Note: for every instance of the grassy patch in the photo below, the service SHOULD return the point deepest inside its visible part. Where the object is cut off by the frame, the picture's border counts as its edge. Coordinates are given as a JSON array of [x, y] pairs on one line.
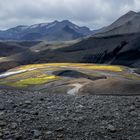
[[75, 65], [38, 74], [31, 81], [105, 68], [131, 76]]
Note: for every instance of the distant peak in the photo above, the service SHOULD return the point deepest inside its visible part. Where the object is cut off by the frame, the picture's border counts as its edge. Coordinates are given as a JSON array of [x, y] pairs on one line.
[[56, 21], [20, 26], [131, 12], [66, 21]]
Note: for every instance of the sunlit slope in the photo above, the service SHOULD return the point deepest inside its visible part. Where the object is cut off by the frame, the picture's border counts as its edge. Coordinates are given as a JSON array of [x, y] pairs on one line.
[[56, 76], [73, 65]]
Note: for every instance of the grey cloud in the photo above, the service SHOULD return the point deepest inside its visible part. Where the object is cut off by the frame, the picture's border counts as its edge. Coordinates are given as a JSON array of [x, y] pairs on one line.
[[92, 13]]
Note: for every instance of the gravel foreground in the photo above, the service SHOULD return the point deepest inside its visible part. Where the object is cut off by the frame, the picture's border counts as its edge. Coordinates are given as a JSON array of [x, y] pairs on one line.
[[40, 116]]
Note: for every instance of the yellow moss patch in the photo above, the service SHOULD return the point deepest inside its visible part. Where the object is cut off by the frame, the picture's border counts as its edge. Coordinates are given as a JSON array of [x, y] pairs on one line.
[[31, 81], [37, 74], [75, 65], [105, 68], [25, 75], [131, 76]]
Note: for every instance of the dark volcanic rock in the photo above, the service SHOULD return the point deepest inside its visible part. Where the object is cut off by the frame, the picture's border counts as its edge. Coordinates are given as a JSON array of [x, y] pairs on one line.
[[69, 117]]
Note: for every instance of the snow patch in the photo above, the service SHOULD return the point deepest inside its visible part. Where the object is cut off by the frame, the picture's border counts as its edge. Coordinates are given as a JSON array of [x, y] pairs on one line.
[[51, 25], [76, 27], [14, 72], [34, 26]]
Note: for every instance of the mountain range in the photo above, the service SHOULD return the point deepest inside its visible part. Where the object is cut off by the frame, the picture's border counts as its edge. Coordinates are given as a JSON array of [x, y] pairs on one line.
[[66, 30], [117, 44], [54, 31]]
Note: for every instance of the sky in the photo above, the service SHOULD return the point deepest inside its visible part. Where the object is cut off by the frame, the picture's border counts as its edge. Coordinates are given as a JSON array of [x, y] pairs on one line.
[[91, 13]]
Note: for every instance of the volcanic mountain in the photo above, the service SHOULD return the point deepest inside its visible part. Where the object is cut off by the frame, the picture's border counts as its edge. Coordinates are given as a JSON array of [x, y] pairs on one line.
[[54, 31], [126, 24]]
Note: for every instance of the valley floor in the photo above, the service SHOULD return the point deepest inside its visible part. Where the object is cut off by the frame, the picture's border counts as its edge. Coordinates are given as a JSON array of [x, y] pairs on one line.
[[41, 116]]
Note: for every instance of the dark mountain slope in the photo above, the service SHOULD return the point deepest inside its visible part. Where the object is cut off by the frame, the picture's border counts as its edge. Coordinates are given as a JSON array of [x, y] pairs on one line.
[[10, 49], [126, 24], [119, 49], [7, 49]]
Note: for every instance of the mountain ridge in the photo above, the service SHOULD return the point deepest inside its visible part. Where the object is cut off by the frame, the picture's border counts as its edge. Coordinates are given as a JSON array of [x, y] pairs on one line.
[[48, 31], [126, 24]]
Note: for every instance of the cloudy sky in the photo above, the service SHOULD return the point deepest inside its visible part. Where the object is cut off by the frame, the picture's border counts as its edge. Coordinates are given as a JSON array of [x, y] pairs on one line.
[[91, 13]]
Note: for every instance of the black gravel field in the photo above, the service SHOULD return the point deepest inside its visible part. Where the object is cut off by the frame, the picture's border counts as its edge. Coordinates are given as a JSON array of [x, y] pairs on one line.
[[26, 115]]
